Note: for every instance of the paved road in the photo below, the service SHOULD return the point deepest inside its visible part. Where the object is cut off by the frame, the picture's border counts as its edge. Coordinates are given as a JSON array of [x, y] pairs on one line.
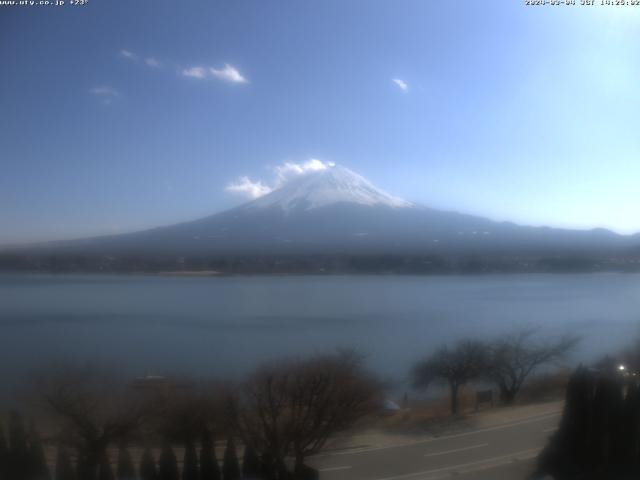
[[503, 452]]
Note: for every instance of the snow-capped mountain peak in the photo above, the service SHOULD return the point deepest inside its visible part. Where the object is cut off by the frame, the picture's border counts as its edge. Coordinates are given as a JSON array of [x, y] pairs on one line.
[[335, 184]]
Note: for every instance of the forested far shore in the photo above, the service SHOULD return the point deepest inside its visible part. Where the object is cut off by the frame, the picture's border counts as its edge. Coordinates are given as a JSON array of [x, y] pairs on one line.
[[318, 264]]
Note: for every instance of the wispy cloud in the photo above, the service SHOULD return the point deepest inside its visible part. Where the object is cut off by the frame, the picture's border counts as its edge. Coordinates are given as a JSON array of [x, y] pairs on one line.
[[401, 84], [195, 72], [105, 92], [134, 57], [282, 174], [248, 188], [152, 62], [128, 54], [228, 74]]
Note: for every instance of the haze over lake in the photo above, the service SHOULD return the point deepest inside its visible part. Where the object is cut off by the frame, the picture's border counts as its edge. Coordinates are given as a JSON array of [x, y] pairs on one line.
[[225, 326]]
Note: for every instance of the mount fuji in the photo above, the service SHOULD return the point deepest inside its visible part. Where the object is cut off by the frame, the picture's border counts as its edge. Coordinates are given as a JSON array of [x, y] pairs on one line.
[[331, 185], [336, 211]]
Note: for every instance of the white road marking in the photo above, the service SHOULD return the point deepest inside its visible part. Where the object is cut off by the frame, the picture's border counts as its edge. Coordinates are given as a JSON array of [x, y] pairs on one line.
[[500, 427], [453, 468], [457, 450], [435, 439], [334, 469], [548, 430]]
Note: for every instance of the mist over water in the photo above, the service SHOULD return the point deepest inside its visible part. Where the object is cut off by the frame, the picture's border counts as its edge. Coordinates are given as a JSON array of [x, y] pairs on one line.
[[225, 326]]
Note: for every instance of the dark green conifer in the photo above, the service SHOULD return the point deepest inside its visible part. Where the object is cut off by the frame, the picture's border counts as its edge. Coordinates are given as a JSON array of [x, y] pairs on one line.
[[38, 469], [64, 468], [18, 460], [86, 466], [148, 470], [105, 472], [4, 454], [626, 434], [574, 426], [190, 463], [634, 404], [250, 463], [606, 405], [209, 468], [125, 469], [267, 467], [230, 464], [567, 451], [168, 464]]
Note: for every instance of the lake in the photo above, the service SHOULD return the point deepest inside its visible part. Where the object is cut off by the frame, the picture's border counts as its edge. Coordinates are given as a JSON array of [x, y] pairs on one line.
[[224, 326]]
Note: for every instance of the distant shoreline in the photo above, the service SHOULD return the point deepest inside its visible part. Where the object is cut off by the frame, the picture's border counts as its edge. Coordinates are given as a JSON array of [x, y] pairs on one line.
[[326, 264], [189, 273], [325, 273]]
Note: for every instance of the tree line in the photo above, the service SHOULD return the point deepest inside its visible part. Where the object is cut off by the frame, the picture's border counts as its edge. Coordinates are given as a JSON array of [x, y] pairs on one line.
[[425, 263], [506, 361], [281, 414], [22, 458]]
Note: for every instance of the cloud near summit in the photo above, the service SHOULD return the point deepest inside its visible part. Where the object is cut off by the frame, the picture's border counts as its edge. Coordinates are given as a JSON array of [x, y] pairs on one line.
[[288, 170], [283, 173], [248, 188]]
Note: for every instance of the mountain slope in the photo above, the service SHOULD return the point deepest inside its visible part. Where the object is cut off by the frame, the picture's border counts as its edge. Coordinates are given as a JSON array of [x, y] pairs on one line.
[[335, 211]]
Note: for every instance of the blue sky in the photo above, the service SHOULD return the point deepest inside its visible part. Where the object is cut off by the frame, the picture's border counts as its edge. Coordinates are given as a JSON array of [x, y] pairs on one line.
[[121, 115]]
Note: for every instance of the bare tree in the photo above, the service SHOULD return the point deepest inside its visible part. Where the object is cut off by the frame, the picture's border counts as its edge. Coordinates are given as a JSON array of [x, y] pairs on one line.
[[455, 366], [93, 412], [291, 409], [512, 358], [187, 413]]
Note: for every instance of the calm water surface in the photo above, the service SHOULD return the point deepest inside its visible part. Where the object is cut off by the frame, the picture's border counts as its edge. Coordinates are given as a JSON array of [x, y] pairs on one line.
[[224, 326]]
